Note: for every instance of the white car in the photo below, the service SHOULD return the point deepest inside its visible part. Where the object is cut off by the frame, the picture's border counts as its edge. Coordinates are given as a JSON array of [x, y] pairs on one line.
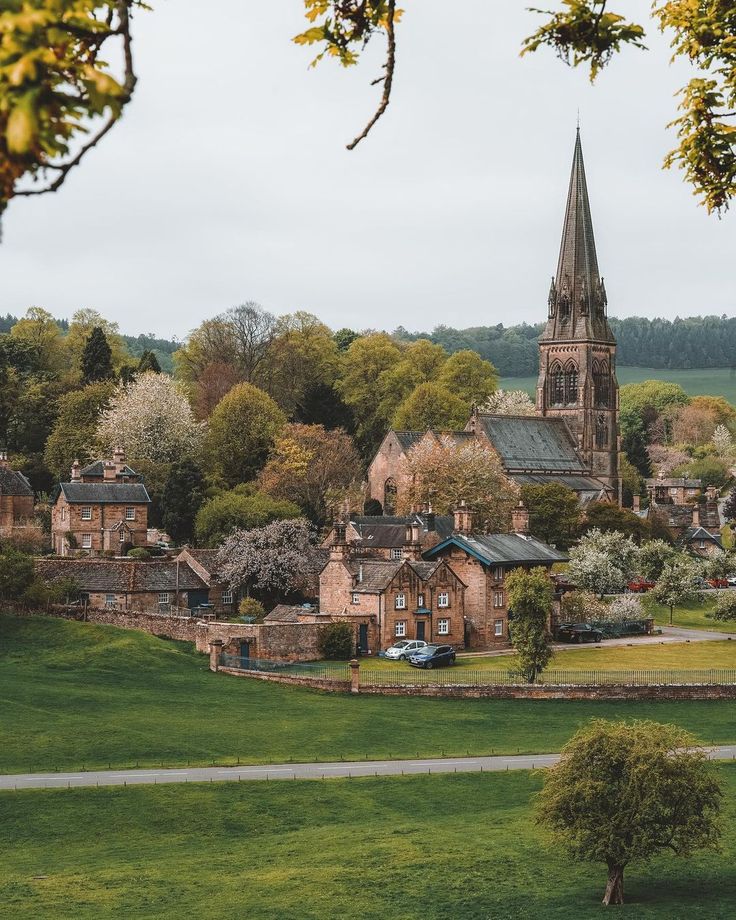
[[402, 649]]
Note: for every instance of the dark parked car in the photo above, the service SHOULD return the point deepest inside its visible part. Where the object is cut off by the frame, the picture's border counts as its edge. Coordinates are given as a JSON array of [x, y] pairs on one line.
[[578, 632], [433, 656]]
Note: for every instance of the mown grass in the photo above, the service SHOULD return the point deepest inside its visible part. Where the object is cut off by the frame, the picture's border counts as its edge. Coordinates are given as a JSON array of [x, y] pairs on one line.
[[457, 846], [692, 615], [76, 694]]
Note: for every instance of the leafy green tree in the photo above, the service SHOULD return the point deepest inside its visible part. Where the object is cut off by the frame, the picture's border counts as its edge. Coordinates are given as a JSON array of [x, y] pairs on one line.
[[252, 609], [712, 471], [653, 556], [432, 405], [336, 641], [530, 598], [218, 517], [39, 330], [634, 447], [182, 498], [606, 516], [16, 573], [96, 363], [344, 338], [623, 792], [148, 362], [420, 362], [242, 430], [554, 512], [82, 325], [725, 609], [677, 582], [466, 375], [75, 426]]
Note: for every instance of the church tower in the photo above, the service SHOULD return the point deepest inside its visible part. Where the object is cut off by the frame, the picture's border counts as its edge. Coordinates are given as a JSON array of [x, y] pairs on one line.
[[577, 351]]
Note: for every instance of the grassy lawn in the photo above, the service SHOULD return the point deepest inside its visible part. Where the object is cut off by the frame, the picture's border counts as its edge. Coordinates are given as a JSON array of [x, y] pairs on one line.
[[463, 846], [692, 616], [713, 381]]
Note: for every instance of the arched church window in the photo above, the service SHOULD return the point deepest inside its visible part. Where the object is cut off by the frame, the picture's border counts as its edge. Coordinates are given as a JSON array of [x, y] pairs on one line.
[[390, 492], [557, 386], [601, 384], [571, 384], [601, 432]]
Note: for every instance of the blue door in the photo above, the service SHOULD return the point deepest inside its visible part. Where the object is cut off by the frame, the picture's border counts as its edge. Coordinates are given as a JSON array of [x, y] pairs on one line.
[[244, 649], [362, 638]]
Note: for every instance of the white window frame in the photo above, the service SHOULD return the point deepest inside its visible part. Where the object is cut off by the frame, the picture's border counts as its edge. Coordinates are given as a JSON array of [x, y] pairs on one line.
[[498, 628], [498, 573], [400, 630], [130, 514], [420, 600], [86, 513], [110, 600], [355, 599], [86, 541], [443, 599], [498, 599], [397, 554], [673, 490], [227, 597], [164, 597], [443, 627], [400, 601]]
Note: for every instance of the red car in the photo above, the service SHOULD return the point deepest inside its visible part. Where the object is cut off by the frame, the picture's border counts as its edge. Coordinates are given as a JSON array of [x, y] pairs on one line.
[[639, 586], [718, 582]]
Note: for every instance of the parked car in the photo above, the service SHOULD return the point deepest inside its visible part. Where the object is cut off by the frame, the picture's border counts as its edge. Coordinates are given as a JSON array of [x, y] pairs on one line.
[[578, 632], [718, 582], [731, 581], [404, 648], [639, 585], [433, 656]]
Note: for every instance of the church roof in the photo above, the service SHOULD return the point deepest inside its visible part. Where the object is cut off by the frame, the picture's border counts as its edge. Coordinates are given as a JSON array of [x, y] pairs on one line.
[[502, 548], [577, 296], [527, 442]]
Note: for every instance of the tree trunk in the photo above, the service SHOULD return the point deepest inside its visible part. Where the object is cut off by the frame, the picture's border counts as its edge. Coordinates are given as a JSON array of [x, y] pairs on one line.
[[615, 887], [672, 611]]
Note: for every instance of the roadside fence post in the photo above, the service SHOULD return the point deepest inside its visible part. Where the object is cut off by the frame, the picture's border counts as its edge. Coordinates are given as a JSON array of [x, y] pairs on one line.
[[215, 649], [355, 676]]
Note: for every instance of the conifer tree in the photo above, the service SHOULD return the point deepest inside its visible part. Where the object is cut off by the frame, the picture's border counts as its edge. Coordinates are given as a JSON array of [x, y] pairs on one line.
[[148, 362], [181, 500], [97, 358]]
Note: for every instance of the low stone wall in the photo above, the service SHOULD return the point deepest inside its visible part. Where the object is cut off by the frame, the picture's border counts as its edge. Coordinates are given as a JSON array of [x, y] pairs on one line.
[[279, 641], [166, 626], [577, 692], [314, 683]]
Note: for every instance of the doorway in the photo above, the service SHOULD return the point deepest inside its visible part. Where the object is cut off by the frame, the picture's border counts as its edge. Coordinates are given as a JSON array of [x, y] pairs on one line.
[[420, 630]]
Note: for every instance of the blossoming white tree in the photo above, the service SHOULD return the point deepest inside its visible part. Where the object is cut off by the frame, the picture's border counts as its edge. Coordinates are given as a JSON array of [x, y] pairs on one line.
[[723, 441], [509, 402], [151, 419], [603, 562]]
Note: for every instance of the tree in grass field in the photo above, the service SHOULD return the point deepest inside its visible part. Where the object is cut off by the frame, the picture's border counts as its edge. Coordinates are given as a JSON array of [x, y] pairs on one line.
[[677, 582], [530, 598], [725, 609], [624, 792], [603, 562]]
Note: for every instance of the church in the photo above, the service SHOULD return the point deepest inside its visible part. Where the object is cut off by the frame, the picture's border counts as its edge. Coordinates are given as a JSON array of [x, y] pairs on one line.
[[574, 437]]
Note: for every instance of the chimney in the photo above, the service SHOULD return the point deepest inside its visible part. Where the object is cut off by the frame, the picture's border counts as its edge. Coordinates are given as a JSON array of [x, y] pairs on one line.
[[463, 519], [108, 474], [76, 471], [3, 459], [118, 458], [520, 519], [413, 542], [711, 493], [637, 503], [696, 516], [339, 548]]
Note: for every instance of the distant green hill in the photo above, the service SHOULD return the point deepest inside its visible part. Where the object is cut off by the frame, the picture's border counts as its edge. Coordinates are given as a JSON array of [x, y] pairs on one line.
[[714, 381]]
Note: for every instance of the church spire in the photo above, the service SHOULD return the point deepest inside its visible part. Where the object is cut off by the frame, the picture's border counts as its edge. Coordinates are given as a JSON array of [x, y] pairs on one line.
[[577, 300]]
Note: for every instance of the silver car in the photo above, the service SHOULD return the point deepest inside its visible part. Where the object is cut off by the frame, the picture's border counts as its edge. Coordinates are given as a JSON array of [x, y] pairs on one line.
[[402, 649]]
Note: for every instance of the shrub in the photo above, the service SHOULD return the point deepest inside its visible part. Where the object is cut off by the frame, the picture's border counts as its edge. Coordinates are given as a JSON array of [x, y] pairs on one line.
[[725, 607], [253, 609], [337, 640], [138, 552], [624, 607], [583, 607]]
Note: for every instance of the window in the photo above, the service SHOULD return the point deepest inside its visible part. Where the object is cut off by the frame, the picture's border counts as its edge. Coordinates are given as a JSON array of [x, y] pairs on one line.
[[498, 573], [571, 384], [400, 602], [702, 544], [86, 541], [498, 627], [443, 599], [692, 491], [355, 599], [673, 491], [164, 597], [397, 554], [420, 600], [122, 535], [227, 597], [557, 386], [86, 514], [401, 628], [63, 513], [130, 514], [110, 600], [443, 627], [498, 598]]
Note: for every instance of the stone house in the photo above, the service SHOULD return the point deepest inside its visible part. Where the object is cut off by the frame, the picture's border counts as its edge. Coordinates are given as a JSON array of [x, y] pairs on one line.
[[384, 536], [483, 561], [681, 505], [126, 584], [677, 490], [103, 509], [16, 498], [701, 542], [224, 601]]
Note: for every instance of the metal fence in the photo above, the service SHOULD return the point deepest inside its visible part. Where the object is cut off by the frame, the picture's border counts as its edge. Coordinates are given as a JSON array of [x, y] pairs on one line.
[[321, 670], [457, 677]]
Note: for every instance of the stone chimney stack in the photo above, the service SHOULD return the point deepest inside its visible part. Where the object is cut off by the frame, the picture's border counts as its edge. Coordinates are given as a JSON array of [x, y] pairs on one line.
[[3, 459], [413, 542], [520, 519], [696, 516], [463, 519], [118, 458], [637, 503], [711, 493], [108, 474], [76, 471], [339, 548]]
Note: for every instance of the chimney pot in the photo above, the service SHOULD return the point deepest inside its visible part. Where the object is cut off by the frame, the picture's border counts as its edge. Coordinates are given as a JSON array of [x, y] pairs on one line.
[[520, 519], [76, 471]]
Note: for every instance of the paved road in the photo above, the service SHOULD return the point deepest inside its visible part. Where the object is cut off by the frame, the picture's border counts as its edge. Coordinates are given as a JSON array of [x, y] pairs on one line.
[[296, 771]]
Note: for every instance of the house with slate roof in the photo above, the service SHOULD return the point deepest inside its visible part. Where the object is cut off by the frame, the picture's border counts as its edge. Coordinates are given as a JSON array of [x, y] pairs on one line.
[[16, 498], [103, 509], [127, 584], [384, 536], [574, 438]]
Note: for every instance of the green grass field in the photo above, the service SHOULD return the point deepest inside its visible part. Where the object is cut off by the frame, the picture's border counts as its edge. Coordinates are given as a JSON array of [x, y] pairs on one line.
[[75, 695], [716, 381], [690, 616], [434, 847]]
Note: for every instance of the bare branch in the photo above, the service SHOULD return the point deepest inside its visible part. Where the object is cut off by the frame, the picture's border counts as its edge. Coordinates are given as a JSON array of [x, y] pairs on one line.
[[387, 79]]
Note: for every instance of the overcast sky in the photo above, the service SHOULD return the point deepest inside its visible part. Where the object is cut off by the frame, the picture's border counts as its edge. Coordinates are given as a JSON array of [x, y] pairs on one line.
[[228, 180]]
